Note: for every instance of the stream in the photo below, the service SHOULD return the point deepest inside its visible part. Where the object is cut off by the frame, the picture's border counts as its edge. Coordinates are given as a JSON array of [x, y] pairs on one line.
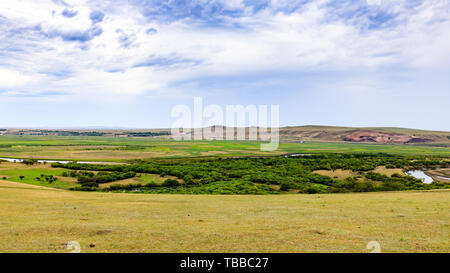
[[420, 175], [58, 161]]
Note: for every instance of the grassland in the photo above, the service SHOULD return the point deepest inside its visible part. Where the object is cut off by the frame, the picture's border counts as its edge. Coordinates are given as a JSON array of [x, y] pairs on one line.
[[37, 219], [441, 175], [142, 178], [123, 149], [13, 171], [343, 174]]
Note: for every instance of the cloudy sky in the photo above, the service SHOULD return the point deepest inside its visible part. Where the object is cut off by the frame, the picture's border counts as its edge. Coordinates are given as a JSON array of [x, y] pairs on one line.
[[71, 63]]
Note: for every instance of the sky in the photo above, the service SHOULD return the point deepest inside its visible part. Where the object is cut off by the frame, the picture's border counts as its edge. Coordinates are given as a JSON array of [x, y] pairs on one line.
[[127, 63]]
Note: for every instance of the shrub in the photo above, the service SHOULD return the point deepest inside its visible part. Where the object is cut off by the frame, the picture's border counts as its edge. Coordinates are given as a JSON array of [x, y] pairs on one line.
[[188, 179], [47, 178], [312, 190], [170, 183], [90, 184], [285, 186], [29, 161], [249, 175]]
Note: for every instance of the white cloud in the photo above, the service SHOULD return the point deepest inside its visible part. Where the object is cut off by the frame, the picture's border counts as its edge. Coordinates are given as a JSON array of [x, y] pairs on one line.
[[13, 79], [269, 39]]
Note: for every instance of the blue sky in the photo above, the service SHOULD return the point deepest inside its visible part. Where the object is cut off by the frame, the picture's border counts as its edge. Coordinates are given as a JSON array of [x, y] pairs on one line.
[[126, 63]]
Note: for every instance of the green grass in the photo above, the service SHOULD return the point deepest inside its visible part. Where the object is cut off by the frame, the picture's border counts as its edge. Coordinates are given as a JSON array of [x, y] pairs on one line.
[[404, 149], [30, 175], [123, 149], [148, 178]]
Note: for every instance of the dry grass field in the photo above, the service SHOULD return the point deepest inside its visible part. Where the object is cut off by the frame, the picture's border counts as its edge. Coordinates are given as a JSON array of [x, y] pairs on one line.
[[39, 219], [342, 174], [441, 175]]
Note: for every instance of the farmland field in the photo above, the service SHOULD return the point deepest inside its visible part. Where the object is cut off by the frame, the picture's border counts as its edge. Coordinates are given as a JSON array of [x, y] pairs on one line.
[[123, 149]]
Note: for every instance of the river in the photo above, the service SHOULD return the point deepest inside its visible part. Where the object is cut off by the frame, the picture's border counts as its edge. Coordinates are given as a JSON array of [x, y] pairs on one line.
[[58, 161], [420, 175]]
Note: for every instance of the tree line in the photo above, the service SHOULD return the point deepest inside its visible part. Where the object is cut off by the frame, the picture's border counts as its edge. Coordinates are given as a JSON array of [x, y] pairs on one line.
[[276, 174]]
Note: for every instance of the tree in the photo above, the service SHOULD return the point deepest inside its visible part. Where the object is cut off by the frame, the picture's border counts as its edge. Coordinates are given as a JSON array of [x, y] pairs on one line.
[[285, 186], [29, 161], [170, 183], [188, 179]]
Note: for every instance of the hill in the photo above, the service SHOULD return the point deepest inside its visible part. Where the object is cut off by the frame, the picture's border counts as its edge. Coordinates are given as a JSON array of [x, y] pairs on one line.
[[363, 134], [383, 135]]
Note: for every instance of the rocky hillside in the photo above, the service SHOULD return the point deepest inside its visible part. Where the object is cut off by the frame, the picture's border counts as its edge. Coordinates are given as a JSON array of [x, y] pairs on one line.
[[381, 137], [368, 135]]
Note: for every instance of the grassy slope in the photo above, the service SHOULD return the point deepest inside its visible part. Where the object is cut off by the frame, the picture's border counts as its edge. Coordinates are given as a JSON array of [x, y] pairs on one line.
[[13, 171], [34, 219]]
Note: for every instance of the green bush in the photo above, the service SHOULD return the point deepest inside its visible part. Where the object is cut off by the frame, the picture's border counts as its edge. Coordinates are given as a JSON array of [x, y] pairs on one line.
[[170, 183], [285, 186], [29, 161], [258, 175]]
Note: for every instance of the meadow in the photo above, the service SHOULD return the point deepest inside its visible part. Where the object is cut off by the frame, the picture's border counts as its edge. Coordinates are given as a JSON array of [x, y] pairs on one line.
[[38, 216], [39, 219], [125, 149], [227, 172], [266, 175], [14, 171]]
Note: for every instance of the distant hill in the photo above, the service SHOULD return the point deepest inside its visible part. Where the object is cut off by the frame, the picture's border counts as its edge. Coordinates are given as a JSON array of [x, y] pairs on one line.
[[348, 134], [364, 134], [290, 133]]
